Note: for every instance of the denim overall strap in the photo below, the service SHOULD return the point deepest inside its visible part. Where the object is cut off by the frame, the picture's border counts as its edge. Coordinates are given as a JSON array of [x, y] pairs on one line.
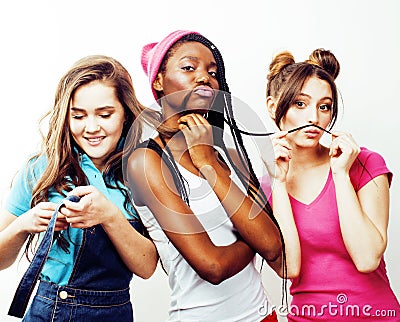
[[28, 281], [98, 265]]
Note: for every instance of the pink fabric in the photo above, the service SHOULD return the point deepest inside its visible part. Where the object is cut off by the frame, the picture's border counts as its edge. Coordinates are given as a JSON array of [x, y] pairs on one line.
[[153, 54], [329, 286]]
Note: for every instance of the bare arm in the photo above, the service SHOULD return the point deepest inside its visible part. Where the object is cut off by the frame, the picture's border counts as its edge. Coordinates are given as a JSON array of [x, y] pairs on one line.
[[283, 213], [363, 215], [253, 223], [153, 186], [276, 160], [138, 253], [12, 238], [15, 230]]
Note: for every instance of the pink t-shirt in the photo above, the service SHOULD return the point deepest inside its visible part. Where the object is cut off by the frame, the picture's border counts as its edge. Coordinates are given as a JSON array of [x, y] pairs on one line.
[[329, 287]]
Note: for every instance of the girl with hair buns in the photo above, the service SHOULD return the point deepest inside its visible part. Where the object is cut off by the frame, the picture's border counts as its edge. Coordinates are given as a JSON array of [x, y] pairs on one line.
[[334, 199], [205, 215], [85, 274]]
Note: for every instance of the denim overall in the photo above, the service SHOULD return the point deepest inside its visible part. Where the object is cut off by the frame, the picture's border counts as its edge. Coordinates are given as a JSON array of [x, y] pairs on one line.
[[98, 289]]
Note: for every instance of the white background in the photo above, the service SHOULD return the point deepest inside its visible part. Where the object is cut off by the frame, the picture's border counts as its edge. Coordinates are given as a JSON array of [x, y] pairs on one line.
[[40, 40]]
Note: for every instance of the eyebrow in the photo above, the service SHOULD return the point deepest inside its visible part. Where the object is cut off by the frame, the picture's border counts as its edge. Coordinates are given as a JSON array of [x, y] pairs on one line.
[[101, 108], [189, 57], [323, 98], [213, 64]]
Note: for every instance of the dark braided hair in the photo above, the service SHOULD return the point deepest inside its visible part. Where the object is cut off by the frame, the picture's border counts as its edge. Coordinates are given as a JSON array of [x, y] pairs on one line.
[[221, 106]]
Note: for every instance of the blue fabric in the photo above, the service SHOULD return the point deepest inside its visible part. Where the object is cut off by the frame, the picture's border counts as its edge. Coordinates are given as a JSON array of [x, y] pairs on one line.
[[79, 305], [28, 281], [99, 275], [59, 265], [97, 286]]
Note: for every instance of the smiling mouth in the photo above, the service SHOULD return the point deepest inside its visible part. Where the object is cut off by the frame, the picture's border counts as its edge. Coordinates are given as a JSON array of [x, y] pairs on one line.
[[94, 141]]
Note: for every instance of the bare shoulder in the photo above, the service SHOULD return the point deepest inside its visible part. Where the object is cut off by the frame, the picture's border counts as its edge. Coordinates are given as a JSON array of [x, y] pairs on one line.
[[141, 159], [148, 176]]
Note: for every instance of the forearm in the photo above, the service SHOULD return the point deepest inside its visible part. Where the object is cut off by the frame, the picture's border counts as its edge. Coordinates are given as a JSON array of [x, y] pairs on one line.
[[234, 258], [137, 252], [213, 263], [12, 238], [363, 240], [283, 213], [253, 224]]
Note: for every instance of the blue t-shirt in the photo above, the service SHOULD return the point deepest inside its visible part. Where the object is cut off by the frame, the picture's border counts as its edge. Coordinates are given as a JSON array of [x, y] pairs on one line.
[[59, 265]]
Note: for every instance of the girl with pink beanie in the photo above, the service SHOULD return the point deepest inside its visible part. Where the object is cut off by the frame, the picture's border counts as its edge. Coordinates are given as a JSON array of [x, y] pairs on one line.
[[334, 199], [205, 213]]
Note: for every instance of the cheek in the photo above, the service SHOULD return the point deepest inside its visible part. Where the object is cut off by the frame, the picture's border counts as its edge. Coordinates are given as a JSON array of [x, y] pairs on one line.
[[292, 119], [214, 83], [182, 82], [327, 119], [75, 127], [175, 83], [116, 126]]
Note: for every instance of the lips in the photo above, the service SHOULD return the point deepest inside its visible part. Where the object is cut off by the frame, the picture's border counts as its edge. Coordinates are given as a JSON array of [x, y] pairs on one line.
[[312, 133], [95, 140], [204, 91]]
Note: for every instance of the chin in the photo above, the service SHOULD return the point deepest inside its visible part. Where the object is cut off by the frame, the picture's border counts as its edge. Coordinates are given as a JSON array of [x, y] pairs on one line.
[[201, 111], [313, 144]]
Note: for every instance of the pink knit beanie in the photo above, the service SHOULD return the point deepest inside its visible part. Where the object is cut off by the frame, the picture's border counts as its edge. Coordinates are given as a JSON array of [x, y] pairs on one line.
[[153, 54]]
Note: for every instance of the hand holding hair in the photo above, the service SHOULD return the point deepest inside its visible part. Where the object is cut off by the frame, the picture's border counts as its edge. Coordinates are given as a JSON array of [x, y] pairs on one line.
[[343, 152]]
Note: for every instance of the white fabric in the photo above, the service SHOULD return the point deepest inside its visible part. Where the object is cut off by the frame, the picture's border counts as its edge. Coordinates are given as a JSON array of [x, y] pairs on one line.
[[239, 298]]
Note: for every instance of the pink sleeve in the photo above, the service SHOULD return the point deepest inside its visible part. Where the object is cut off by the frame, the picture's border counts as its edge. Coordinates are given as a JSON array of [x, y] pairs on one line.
[[366, 167], [265, 184]]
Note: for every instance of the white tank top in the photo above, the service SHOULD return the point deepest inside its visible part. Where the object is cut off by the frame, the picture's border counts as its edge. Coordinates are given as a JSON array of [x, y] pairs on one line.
[[239, 298]]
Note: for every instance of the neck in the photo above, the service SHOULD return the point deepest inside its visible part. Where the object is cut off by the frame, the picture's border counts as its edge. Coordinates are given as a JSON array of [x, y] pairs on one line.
[[306, 158], [175, 140]]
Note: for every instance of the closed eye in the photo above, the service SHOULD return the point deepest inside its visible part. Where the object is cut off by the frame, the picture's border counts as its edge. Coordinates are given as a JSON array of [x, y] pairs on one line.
[[77, 116]]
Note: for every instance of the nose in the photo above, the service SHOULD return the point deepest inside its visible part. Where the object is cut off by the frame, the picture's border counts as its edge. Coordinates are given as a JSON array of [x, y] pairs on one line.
[[203, 78], [92, 125], [313, 115]]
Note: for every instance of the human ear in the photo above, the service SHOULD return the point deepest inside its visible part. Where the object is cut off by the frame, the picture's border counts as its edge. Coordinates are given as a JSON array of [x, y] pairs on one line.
[[157, 84], [271, 107]]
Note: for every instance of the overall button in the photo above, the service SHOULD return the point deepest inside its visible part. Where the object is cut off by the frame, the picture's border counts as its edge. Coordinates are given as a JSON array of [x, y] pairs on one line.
[[63, 295]]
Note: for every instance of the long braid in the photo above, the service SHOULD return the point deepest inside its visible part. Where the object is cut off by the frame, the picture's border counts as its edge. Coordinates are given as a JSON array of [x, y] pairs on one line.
[[223, 105], [254, 189]]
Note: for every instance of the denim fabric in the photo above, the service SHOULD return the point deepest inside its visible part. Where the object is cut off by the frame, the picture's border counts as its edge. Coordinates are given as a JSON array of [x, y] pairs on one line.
[[28, 281], [53, 303], [98, 289]]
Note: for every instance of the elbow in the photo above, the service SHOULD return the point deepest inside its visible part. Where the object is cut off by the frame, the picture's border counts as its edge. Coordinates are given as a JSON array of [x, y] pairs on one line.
[[289, 272], [273, 251], [213, 273], [293, 272], [368, 262], [286, 271], [293, 264], [147, 273], [147, 269], [367, 266], [6, 264]]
